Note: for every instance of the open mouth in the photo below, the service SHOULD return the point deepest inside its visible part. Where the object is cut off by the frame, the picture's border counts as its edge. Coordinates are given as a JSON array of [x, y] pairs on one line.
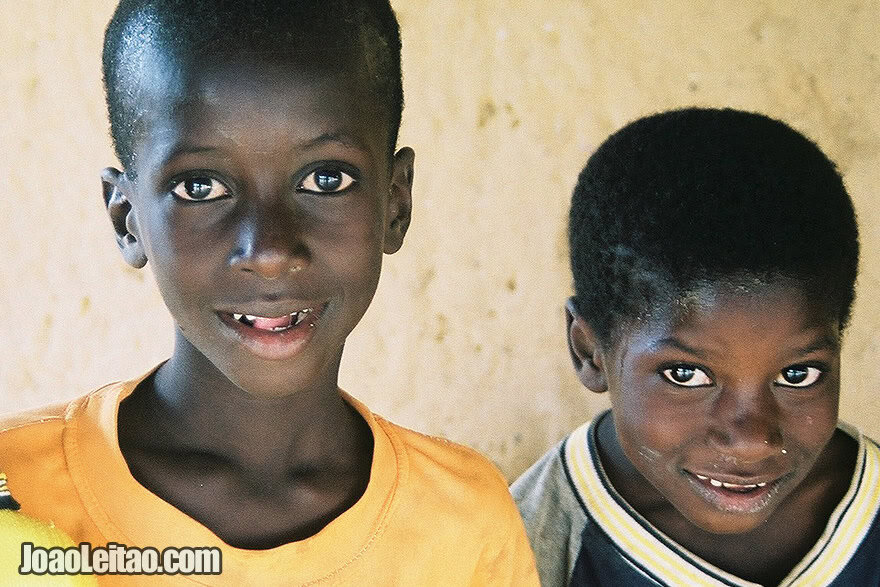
[[735, 487], [736, 497], [274, 324], [275, 336]]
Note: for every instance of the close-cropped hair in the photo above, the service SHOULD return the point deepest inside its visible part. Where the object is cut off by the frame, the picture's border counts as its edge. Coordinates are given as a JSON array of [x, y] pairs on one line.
[[694, 196], [195, 31]]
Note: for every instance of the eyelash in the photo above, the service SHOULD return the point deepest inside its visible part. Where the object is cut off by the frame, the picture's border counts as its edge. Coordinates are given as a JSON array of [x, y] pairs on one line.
[[813, 375], [308, 185]]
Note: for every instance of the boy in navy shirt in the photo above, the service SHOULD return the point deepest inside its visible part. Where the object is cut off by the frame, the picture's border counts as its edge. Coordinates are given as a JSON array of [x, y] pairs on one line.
[[714, 255]]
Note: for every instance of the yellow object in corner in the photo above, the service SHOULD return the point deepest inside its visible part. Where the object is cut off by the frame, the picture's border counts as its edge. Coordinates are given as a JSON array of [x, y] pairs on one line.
[[16, 528]]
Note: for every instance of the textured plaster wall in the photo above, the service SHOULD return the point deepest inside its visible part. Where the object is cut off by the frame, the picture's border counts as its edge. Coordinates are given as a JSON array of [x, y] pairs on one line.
[[505, 100]]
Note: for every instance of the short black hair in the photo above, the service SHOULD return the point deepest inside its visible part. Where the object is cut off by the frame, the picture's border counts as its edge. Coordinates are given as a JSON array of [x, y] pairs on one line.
[[196, 29], [685, 197]]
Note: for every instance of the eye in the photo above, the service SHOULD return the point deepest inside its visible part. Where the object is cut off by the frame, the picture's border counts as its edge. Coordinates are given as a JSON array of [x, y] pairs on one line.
[[200, 189], [798, 376], [687, 376], [326, 180]]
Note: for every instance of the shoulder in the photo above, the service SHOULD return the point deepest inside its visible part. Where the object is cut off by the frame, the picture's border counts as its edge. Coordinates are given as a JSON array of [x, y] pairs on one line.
[[553, 516], [545, 496], [463, 499], [32, 433], [32, 454], [446, 466], [35, 447]]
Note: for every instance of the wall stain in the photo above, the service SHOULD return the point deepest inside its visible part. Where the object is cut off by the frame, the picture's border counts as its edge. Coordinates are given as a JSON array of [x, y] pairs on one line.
[[511, 284], [514, 119], [442, 328], [85, 305], [31, 87], [487, 112], [136, 273], [45, 329], [425, 279]]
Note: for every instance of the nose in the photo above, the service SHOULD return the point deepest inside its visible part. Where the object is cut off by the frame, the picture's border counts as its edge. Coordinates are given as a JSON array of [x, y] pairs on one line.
[[269, 241], [746, 423]]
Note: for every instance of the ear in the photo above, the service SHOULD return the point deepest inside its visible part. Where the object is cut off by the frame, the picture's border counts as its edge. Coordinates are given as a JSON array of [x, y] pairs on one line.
[[585, 350], [122, 216], [399, 199]]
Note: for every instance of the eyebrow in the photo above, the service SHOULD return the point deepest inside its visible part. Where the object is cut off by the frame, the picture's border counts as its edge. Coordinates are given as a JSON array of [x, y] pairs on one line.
[[182, 149], [822, 343], [671, 341], [340, 138], [334, 137]]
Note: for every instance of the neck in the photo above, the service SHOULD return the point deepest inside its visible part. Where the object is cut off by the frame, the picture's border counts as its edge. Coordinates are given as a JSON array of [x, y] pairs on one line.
[[189, 406]]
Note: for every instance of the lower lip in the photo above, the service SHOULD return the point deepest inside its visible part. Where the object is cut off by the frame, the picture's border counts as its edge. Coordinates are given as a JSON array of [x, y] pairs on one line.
[[727, 500], [274, 345]]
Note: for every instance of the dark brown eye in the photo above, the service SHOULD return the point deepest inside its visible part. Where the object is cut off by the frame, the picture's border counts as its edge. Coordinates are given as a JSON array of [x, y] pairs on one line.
[[798, 376], [687, 376], [199, 188], [326, 180]]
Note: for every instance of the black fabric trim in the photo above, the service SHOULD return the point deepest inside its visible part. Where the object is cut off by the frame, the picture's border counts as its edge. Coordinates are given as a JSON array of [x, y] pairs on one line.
[[7, 502]]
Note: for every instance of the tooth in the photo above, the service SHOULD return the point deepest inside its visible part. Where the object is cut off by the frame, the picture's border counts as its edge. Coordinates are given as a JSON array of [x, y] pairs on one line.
[[236, 316], [715, 482], [251, 318], [735, 486], [701, 477], [762, 484]]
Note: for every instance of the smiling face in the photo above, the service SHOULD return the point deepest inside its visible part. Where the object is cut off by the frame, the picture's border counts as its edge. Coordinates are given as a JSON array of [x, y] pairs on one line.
[[723, 409], [264, 199]]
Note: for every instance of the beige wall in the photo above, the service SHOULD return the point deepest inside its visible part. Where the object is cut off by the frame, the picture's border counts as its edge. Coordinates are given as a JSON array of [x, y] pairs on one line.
[[505, 100]]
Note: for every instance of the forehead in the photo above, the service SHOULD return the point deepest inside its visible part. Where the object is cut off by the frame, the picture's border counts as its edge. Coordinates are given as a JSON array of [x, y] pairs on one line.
[[737, 314], [256, 99]]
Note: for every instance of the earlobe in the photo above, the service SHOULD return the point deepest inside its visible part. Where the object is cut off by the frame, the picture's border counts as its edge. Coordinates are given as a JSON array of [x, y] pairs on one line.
[[585, 350], [399, 199], [115, 184]]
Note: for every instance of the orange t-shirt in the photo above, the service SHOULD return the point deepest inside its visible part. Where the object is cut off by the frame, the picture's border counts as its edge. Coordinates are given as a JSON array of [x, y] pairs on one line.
[[433, 513]]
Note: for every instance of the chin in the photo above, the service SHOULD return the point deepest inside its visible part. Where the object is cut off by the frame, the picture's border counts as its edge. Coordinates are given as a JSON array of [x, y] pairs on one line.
[[729, 523]]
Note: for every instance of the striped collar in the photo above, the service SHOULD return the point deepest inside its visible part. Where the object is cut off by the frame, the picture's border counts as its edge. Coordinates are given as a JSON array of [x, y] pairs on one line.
[[659, 557]]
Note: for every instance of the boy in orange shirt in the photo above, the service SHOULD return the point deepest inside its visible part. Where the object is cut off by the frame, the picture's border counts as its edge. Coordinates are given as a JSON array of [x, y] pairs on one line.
[[262, 182]]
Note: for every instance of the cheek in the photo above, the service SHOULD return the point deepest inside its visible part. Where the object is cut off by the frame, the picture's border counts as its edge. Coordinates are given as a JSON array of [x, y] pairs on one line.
[[651, 425], [351, 239], [177, 257], [810, 426]]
